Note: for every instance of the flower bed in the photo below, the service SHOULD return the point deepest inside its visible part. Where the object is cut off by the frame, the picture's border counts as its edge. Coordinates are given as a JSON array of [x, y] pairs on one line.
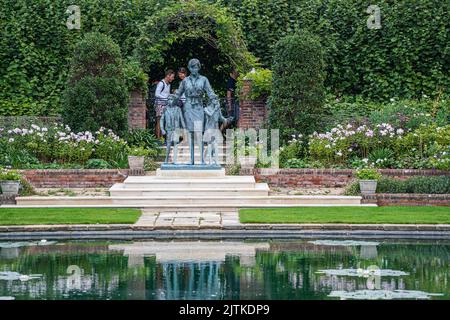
[[365, 145], [22, 147]]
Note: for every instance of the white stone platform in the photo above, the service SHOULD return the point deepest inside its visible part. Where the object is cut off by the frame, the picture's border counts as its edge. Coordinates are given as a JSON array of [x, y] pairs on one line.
[[189, 189]]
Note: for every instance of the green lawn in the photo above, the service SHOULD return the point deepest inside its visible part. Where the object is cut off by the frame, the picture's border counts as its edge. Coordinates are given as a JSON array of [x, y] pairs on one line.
[[374, 215], [27, 216]]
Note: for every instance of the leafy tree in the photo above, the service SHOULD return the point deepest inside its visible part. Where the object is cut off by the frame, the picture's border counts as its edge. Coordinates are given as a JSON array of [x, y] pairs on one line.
[[297, 99], [96, 95]]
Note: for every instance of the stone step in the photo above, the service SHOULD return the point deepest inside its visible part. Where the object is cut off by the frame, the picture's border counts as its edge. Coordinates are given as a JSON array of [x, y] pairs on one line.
[[216, 183], [197, 201], [122, 190]]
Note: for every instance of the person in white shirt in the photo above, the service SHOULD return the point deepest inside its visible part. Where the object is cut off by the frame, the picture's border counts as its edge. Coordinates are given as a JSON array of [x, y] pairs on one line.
[[162, 92]]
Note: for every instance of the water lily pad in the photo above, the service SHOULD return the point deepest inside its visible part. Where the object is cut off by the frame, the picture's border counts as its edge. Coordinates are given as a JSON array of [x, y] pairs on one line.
[[383, 294], [11, 276], [346, 243], [363, 272]]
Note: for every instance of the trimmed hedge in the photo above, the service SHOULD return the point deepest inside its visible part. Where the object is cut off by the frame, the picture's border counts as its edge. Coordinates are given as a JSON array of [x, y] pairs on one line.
[[407, 57], [96, 94], [424, 185], [297, 99]]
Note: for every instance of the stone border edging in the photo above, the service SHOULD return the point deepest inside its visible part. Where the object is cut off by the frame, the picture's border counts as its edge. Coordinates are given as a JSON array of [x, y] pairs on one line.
[[234, 227], [408, 199]]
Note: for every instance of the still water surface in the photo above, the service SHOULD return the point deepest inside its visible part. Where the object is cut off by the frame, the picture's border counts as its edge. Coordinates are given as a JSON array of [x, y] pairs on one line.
[[191, 269]]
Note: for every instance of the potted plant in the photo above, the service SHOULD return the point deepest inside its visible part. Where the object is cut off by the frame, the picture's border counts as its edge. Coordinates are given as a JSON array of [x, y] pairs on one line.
[[136, 157], [10, 182], [249, 159], [368, 179]]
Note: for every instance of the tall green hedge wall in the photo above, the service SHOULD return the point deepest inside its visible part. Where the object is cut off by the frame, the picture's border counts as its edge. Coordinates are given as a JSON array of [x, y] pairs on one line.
[[407, 57]]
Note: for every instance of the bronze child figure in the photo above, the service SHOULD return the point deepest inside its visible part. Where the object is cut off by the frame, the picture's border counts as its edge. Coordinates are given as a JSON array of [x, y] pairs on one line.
[[172, 123], [212, 135]]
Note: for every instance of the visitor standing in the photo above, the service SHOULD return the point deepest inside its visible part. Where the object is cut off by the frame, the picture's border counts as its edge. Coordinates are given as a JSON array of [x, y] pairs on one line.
[[182, 73], [231, 91], [231, 98], [162, 92]]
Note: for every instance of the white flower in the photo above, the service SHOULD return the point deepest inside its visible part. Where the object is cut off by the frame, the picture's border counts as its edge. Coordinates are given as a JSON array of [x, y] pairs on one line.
[[400, 131], [339, 153], [365, 160], [11, 140]]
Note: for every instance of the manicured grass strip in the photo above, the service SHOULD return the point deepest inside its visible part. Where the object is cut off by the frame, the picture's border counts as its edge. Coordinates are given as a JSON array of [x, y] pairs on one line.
[[364, 215], [29, 216]]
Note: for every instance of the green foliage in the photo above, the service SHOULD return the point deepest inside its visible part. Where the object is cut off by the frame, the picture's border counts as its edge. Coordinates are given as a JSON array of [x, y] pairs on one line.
[[26, 188], [142, 138], [97, 164], [383, 146], [261, 83], [96, 95], [57, 147], [406, 58], [36, 46], [297, 96], [382, 158], [184, 30], [368, 174], [135, 77], [138, 151], [7, 174], [423, 185]]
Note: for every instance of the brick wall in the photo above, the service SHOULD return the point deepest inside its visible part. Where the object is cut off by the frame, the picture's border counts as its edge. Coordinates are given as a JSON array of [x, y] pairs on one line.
[[252, 113], [76, 178], [137, 111], [384, 199], [328, 178]]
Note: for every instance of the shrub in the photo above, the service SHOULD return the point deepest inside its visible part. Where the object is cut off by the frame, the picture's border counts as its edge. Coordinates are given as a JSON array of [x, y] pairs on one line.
[[96, 94], [424, 185], [432, 185], [297, 98], [261, 83], [97, 164], [351, 145], [35, 146], [135, 77]]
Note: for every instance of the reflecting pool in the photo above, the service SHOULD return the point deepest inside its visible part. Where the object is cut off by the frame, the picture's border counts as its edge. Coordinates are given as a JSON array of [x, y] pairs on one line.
[[234, 269]]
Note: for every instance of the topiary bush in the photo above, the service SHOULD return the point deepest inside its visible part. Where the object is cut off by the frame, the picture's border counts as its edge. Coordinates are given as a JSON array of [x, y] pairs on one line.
[[297, 98], [96, 95]]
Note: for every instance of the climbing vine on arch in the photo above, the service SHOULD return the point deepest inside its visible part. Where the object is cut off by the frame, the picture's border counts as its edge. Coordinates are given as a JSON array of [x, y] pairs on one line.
[[191, 29]]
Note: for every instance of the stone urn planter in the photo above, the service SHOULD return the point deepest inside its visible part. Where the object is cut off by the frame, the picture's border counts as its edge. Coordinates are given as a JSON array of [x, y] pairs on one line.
[[368, 178], [136, 162], [10, 187], [368, 186], [247, 161]]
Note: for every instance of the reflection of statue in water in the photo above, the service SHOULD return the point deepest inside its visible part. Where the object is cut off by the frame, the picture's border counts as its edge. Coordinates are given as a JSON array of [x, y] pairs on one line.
[[171, 123], [213, 136], [194, 87]]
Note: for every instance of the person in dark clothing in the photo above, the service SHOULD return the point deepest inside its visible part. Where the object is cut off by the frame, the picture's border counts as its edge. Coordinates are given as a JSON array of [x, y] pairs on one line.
[[231, 89], [231, 98]]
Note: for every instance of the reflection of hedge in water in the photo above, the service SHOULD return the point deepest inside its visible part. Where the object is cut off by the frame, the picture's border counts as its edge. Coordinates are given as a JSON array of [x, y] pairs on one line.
[[276, 275]]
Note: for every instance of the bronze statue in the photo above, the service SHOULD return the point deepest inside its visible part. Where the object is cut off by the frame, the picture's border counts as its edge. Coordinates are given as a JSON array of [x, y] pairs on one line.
[[194, 87], [172, 123], [213, 135]]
